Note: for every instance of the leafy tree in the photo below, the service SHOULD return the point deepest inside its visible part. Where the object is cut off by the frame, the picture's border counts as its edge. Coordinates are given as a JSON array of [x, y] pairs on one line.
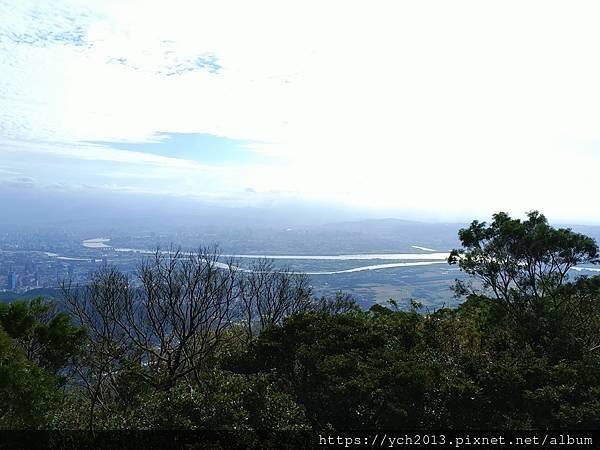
[[349, 371], [28, 395], [536, 337], [523, 263], [47, 337], [576, 318], [224, 401], [525, 266], [484, 375]]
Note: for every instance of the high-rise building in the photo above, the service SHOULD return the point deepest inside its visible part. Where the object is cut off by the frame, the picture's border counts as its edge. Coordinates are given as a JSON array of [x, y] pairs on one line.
[[11, 284]]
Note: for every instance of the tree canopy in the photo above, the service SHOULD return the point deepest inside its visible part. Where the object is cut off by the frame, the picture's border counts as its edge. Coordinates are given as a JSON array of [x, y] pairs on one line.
[[195, 344], [522, 262]]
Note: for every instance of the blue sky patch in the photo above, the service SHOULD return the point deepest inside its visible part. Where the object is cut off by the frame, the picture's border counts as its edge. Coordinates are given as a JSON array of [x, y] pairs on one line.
[[203, 148]]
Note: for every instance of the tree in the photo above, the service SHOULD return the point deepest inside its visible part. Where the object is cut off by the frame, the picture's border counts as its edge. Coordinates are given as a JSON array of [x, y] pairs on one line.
[[340, 303], [523, 263], [169, 323], [28, 395], [354, 370], [223, 401], [47, 337], [268, 295], [577, 318]]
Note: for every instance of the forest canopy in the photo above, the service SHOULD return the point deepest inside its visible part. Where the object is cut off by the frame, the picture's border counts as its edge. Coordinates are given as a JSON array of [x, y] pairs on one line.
[[194, 343]]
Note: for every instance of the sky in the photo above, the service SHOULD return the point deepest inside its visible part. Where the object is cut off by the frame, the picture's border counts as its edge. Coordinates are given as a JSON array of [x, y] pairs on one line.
[[455, 109]]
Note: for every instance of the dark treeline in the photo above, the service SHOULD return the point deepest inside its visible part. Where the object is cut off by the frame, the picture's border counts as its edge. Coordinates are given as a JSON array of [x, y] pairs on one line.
[[194, 343]]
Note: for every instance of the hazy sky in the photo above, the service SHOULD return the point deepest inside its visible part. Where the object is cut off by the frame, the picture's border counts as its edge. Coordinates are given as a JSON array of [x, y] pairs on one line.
[[454, 107]]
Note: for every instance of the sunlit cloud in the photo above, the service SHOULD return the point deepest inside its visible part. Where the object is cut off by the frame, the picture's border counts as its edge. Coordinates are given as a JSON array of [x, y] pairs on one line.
[[462, 108]]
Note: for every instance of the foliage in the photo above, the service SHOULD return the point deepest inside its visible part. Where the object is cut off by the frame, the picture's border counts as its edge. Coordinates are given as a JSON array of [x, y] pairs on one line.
[[523, 263], [223, 401], [28, 395], [350, 371], [197, 345], [47, 337]]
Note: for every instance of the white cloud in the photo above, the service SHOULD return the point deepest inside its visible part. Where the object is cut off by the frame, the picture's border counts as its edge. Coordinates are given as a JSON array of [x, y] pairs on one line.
[[464, 107], [103, 153]]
